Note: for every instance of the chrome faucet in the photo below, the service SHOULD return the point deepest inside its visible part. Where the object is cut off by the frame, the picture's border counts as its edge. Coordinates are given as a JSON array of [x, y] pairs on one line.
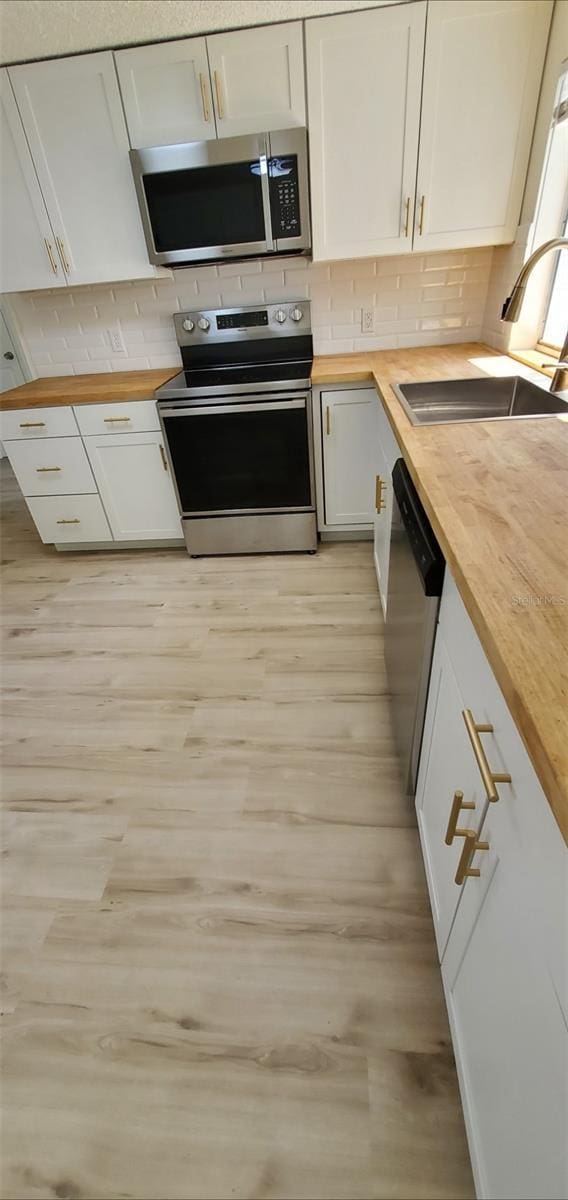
[[512, 307]]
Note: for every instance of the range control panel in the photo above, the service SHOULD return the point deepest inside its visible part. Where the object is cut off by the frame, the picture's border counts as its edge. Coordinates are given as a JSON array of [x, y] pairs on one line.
[[284, 197]]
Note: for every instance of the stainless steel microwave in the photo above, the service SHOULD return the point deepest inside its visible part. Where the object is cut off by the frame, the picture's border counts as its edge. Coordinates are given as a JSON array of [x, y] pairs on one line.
[[236, 197]]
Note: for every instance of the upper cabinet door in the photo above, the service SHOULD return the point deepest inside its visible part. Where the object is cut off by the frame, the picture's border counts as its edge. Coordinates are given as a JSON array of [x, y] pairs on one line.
[[166, 93], [28, 257], [73, 119], [482, 73], [258, 78], [364, 78]]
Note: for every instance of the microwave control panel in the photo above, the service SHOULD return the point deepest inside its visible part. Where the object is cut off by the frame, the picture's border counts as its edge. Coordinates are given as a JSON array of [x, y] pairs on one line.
[[284, 197]]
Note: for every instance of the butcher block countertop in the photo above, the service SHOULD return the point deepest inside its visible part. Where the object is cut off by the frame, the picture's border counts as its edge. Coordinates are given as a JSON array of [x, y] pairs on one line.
[[496, 495], [106, 388]]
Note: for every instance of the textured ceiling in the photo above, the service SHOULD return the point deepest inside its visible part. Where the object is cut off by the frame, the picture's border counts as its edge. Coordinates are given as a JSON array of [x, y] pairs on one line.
[[44, 28]]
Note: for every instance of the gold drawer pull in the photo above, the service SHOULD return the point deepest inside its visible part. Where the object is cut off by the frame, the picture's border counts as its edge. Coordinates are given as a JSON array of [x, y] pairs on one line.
[[204, 99], [115, 420], [421, 216], [380, 501], [458, 804], [45, 470], [32, 424], [51, 256], [69, 521], [163, 457], [219, 94], [407, 217], [328, 420], [489, 777], [465, 869], [63, 256]]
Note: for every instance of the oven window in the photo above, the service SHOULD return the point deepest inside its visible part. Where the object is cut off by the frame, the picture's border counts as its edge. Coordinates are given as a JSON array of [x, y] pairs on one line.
[[205, 206], [241, 460]]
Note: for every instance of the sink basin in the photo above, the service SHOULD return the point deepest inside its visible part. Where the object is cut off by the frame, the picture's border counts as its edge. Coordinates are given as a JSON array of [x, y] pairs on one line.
[[476, 400]]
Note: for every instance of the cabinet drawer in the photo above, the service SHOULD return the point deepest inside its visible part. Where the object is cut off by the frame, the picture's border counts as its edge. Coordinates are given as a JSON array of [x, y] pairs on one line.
[[28, 423], [54, 467], [70, 518], [138, 416]]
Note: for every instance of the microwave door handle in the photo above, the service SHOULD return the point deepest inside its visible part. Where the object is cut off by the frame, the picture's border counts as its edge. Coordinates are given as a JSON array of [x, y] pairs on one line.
[[265, 185]]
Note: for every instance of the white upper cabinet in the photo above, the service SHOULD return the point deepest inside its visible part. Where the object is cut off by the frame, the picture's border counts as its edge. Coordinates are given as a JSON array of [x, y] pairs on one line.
[[73, 120], [482, 72], [258, 78], [364, 74], [166, 93], [28, 257]]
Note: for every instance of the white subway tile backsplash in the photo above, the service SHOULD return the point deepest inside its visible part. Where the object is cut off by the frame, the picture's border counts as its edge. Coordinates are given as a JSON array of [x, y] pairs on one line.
[[418, 299]]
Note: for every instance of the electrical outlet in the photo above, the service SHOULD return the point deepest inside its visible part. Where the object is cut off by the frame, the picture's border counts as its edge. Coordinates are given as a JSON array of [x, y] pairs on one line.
[[116, 341], [368, 320]]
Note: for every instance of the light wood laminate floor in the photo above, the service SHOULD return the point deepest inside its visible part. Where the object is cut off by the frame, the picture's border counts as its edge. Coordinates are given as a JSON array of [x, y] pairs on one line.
[[219, 970]]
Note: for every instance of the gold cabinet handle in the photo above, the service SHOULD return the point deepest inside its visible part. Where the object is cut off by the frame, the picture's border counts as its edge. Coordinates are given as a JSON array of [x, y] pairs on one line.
[[45, 470], [69, 521], [63, 256], [115, 420], [421, 215], [327, 419], [465, 869], [458, 804], [204, 98], [51, 256], [32, 424], [489, 777], [407, 217], [380, 501], [219, 94], [164, 459]]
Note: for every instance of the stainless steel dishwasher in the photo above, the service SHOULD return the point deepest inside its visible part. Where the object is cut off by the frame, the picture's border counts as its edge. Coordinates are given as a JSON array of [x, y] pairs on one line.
[[416, 574]]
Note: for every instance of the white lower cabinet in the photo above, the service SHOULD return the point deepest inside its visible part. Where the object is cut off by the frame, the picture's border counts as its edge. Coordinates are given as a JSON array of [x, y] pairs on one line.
[[349, 434], [63, 519], [55, 466], [502, 932], [134, 483]]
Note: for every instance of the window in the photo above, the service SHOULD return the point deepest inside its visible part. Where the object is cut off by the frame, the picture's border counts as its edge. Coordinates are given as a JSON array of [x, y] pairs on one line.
[[552, 218]]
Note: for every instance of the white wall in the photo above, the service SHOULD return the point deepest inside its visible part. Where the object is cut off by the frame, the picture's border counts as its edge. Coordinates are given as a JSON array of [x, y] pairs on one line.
[[42, 28], [418, 300]]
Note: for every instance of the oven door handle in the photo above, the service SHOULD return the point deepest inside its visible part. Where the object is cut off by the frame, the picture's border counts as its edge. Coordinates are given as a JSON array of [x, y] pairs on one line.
[[182, 410], [265, 187]]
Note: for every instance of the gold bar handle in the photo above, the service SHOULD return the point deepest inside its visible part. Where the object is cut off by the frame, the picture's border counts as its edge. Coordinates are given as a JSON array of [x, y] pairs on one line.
[[45, 470], [69, 521], [219, 94], [421, 216], [115, 420], [407, 217], [465, 869], [32, 424], [51, 256], [458, 804], [63, 256], [327, 420], [489, 777], [164, 459], [204, 98], [380, 502]]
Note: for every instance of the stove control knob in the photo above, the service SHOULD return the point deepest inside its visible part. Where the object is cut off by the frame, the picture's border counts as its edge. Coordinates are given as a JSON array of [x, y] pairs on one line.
[[188, 325], [204, 324], [280, 316], [296, 314]]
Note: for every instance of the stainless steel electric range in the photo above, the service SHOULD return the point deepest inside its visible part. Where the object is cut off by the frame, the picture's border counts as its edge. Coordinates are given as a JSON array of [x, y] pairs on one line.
[[237, 423]]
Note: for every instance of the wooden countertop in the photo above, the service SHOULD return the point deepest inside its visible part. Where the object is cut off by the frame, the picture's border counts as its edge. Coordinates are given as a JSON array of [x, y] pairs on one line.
[[86, 389], [496, 494]]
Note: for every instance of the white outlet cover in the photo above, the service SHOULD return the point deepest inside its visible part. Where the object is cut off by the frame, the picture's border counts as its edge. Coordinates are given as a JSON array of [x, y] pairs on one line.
[[368, 320], [116, 341]]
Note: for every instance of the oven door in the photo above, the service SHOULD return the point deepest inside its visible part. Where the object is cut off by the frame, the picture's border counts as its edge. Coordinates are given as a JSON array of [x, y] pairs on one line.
[[250, 457], [204, 200]]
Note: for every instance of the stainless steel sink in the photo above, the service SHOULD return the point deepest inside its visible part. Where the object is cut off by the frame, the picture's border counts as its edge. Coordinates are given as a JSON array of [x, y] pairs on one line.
[[476, 400]]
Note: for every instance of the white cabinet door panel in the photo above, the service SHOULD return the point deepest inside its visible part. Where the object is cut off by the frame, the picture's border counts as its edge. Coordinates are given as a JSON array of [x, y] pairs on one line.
[[349, 455], [28, 256], [74, 123], [135, 485], [70, 519], [482, 72], [138, 416], [166, 93], [51, 466], [258, 78], [364, 74]]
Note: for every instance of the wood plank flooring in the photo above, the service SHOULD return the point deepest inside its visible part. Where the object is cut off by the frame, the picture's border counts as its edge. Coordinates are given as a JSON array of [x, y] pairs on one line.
[[219, 971]]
